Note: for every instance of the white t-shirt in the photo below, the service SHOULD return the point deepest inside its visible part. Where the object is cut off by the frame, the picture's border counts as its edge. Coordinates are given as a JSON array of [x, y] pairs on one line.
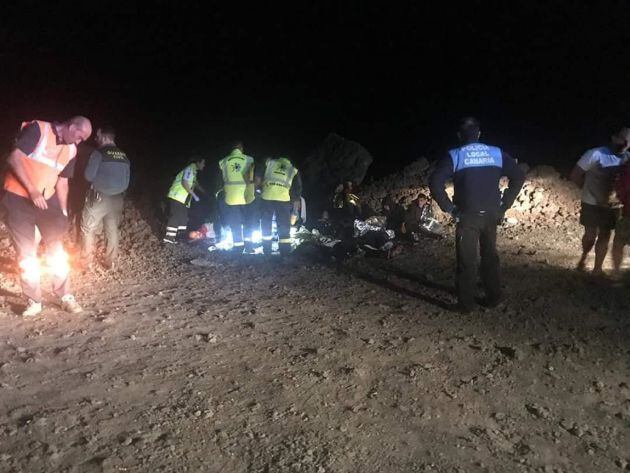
[[600, 166]]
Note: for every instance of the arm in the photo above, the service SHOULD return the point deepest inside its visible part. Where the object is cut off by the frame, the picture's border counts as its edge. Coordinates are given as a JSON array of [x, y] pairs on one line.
[[577, 176], [586, 161], [61, 188], [199, 187], [16, 165], [92, 168], [516, 178], [442, 173]]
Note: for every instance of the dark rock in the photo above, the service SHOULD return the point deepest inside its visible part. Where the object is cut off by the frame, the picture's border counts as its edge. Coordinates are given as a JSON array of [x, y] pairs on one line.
[[334, 161]]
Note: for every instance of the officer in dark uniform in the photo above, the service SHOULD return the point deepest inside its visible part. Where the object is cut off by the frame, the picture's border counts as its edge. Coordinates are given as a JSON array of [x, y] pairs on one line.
[[478, 207]]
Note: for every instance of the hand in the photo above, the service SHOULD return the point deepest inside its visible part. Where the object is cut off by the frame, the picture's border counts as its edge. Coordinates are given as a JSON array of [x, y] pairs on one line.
[[38, 199], [455, 214], [195, 197], [501, 215]]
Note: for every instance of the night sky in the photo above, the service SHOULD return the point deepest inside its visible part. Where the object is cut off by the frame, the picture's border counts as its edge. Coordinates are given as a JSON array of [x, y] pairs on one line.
[[547, 78]]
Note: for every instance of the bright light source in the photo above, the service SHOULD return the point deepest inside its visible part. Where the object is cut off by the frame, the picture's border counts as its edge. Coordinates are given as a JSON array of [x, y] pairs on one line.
[[58, 263], [257, 236], [30, 269], [292, 232], [227, 242]]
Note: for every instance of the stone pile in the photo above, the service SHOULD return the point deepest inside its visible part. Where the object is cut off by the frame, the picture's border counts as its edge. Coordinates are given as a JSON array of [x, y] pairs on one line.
[[546, 198]]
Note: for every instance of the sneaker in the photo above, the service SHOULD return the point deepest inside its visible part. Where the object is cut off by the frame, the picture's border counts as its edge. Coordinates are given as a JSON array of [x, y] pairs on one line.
[[69, 304], [32, 308]]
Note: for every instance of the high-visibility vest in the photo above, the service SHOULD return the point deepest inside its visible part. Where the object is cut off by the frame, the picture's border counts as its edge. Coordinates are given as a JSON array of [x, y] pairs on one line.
[[44, 164], [238, 178], [279, 175], [177, 191]]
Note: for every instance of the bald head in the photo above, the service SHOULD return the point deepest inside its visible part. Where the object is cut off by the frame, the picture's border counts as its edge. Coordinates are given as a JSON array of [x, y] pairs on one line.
[[76, 130]]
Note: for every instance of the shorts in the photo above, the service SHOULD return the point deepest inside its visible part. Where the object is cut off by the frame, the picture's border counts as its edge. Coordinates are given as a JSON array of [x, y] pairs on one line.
[[622, 230], [594, 216]]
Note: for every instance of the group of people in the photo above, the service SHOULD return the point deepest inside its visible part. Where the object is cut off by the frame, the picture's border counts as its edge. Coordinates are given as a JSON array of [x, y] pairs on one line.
[[478, 206], [250, 196], [253, 194], [35, 202]]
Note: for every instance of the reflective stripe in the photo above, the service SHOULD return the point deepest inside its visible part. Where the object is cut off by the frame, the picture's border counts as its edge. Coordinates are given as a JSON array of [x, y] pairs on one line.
[[240, 243], [267, 238], [284, 240], [39, 154], [182, 227]]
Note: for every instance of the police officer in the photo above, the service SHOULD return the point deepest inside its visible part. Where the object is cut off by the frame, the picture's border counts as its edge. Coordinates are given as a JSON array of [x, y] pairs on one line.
[[107, 172], [237, 175], [281, 190], [180, 196], [478, 207]]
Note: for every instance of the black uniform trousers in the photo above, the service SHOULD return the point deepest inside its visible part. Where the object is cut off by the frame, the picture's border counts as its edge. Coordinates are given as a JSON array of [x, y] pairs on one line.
[[177, 220], [282, 211], [239, 218], [476, 235]]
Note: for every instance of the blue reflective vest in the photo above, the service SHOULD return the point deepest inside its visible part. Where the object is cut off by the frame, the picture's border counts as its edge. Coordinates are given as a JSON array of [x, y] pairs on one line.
[[476, 155]]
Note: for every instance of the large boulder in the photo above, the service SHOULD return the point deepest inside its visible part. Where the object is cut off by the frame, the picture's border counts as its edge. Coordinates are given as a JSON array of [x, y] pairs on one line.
[[334, 161]]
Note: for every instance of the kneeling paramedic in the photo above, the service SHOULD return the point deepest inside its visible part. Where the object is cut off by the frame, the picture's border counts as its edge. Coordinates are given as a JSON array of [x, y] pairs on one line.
[[478, 207], [36, 196], [281, 190], [180, 196]]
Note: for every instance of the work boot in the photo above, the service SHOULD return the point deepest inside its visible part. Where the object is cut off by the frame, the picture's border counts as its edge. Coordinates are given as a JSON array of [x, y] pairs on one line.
[[69, 304], [32, 308]]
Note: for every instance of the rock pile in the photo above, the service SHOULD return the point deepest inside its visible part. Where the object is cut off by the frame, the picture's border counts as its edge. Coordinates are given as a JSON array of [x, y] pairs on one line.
[[546, 198]]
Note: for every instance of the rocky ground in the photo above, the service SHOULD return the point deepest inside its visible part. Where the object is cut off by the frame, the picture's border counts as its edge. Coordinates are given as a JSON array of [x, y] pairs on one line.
[[249, 365]]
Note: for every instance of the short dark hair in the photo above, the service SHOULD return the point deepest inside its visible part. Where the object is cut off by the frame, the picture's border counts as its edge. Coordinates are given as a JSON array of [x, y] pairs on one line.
[[469, 128], [108, 131], [195, 158], [236, 144]]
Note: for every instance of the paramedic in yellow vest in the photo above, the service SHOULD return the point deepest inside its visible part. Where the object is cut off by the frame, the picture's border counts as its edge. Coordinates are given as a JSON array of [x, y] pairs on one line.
[[180, 196], [281, 185], [237, 175], [36, 196]]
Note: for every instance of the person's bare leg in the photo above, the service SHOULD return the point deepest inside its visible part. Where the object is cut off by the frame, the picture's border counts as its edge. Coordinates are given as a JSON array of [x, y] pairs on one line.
[[601, 249], [588, 241]]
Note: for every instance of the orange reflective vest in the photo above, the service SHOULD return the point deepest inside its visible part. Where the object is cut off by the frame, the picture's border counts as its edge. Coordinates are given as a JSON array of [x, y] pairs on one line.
[[44, 164]]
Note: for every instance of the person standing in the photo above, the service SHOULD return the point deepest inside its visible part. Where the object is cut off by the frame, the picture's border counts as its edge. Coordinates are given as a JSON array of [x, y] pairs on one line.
[[107, 171], [595, 173], [36, 197], [180, 196], [281, 191], [478, 207], [237, 178], [622, 229]]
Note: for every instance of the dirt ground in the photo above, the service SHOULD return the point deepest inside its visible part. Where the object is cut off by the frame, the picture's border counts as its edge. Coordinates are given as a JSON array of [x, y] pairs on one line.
[[247, 365]]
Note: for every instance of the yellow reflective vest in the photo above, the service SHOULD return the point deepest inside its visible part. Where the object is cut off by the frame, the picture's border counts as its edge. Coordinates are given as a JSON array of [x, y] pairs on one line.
[[238, 178], [279, 175], [177, 191]]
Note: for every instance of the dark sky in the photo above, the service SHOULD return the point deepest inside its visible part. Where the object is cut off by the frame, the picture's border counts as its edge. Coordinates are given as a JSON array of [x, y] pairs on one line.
[[547, 78]]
